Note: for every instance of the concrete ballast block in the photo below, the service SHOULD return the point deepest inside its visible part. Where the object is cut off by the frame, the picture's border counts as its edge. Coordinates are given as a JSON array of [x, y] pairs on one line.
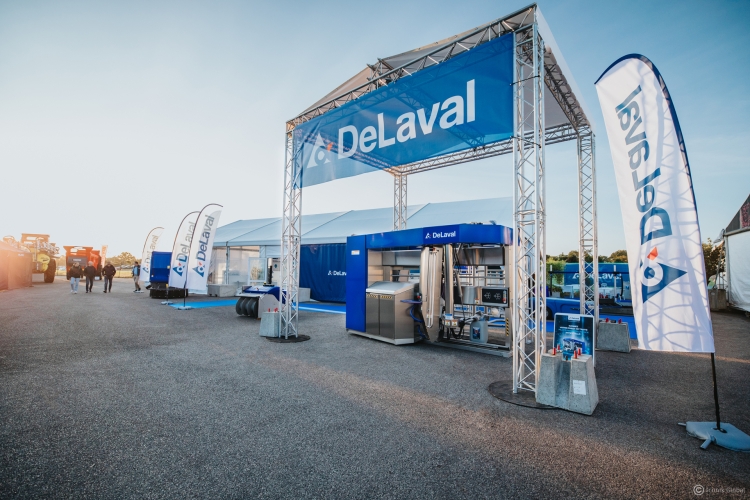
[[546, 388], [570, 385], [583, 395], [613, 337], [270, 324]]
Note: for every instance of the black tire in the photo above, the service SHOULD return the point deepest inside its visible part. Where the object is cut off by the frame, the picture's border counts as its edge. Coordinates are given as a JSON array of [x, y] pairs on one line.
[[238, 306], [252, 307], [246, 306], [49, 274], [550, 316]]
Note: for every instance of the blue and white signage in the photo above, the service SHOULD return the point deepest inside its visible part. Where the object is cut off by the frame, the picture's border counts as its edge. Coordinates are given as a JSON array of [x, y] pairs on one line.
[[462, 103], [665, 256]]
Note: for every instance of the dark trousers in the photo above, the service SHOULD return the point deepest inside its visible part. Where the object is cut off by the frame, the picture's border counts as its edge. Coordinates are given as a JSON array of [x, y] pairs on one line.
[[108, 283], [89, 283]]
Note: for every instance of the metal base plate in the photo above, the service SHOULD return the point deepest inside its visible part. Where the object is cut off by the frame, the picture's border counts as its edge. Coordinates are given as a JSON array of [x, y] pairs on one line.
[[503, 391], [290, 340], [731, 438], [382, 339]]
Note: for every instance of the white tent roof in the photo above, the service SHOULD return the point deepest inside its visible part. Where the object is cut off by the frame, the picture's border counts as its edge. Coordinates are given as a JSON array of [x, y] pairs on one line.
[[335, 227]]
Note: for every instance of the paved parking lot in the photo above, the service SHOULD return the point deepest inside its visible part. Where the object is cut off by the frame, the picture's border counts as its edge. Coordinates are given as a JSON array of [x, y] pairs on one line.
[[115, 395]]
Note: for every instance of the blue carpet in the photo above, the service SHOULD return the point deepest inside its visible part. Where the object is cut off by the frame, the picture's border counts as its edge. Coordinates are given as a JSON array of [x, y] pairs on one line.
[[341, 309], [326, 308], [313, 307]]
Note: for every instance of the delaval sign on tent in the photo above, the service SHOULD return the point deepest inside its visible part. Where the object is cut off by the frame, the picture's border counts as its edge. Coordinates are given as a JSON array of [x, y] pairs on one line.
[[148, 248], [462, 103], [200, 248], [181, 251], [665, 257]]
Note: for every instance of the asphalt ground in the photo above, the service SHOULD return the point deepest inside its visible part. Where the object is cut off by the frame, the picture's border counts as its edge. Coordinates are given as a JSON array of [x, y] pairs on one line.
[[117, 396]]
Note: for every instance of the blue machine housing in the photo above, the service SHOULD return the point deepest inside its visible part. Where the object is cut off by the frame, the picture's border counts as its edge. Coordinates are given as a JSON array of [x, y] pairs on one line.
[[407, 239], [160, 265]]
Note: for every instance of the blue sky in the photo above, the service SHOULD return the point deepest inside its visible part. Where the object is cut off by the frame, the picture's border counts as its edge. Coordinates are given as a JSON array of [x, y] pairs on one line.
[[115, 118]]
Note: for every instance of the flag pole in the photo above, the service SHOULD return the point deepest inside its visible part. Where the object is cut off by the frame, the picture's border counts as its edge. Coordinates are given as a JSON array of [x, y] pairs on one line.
[[716, 394]]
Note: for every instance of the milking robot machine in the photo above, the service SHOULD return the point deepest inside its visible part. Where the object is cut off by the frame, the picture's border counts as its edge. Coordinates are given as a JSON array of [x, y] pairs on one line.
[[445, 285]]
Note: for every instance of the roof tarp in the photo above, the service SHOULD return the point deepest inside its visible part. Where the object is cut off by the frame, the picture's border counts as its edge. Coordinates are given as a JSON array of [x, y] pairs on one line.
[[554, 60], [238, 228], [335, 227], [741, 220]]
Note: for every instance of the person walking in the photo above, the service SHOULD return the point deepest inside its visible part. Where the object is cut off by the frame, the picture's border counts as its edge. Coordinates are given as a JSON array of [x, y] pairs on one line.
[[109, 273], [75, 274], [90, 273], [136, 275]]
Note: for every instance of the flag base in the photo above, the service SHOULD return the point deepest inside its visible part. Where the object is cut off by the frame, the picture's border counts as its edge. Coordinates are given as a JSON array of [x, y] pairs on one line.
[[183, 308], [729, 437]]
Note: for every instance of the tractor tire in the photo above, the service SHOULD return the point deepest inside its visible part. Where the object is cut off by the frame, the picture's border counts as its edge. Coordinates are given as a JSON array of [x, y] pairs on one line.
[[251, 307], [239, 306], [49, 274], [246, 306], [550, 316]]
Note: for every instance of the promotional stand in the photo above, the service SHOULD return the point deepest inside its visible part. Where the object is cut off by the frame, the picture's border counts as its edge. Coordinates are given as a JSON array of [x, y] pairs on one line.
[[501, 88]]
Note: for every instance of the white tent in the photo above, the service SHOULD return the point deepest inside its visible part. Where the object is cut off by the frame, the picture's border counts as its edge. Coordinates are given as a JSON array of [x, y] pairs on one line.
[[235, 243], [737, 251]]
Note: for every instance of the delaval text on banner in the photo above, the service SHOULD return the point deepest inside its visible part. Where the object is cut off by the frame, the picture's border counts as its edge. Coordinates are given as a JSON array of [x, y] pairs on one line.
[[201, 247], [462, 103], [181, 251], [665, 256], [148, 248]]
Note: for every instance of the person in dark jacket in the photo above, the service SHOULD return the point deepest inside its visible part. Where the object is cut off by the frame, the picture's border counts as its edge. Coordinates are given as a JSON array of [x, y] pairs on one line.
[[109, 273], [75, 272], [90, 273]]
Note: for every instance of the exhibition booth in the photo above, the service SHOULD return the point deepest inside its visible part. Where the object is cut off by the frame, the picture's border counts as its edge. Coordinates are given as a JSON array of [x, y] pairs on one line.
[[245, 250]]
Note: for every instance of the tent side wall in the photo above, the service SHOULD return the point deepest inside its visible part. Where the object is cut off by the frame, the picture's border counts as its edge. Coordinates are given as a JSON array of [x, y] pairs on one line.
[[323, 271], [737, 246]]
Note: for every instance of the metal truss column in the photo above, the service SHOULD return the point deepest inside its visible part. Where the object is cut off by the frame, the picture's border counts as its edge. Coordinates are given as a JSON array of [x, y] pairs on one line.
[[399, 201], [588, 272], [529, 274], [290, 240]]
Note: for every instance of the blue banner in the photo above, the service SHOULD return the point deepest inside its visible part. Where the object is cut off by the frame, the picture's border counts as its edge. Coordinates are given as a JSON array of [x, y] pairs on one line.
[[323, 271], [462, 103]]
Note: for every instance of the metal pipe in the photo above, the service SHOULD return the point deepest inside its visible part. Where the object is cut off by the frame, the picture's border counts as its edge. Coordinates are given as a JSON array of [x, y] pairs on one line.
[[448, 268]]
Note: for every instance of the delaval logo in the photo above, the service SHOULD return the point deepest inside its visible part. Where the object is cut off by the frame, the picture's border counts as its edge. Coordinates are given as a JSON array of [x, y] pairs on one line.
[[654, 276], [205, 236], [200, 269], [321, 153], [435, 235], [336, 273], [454, 111], [179, 265]]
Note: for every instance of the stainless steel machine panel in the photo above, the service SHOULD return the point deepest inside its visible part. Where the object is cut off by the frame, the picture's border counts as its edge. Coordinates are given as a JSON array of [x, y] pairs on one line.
[[386, 315], [481, 256], [372, 313], [388, 308], [402, 258]]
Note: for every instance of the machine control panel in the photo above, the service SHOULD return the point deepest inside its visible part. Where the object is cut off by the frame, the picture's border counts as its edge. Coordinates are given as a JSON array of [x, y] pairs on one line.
[[495, 296]]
